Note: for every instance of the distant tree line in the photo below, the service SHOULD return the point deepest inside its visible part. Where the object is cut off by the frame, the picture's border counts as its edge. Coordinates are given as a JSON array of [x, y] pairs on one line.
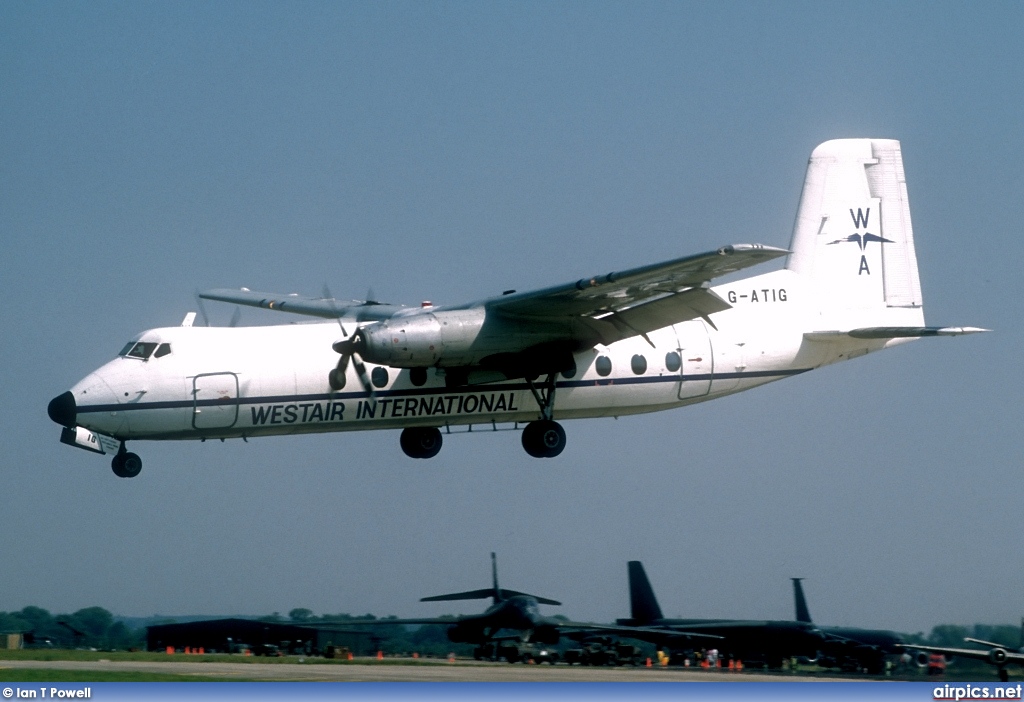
[[95, 627], [92, 627]]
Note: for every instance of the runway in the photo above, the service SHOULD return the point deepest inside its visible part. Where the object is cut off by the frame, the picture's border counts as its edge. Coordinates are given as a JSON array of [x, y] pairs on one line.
[[410, 672]]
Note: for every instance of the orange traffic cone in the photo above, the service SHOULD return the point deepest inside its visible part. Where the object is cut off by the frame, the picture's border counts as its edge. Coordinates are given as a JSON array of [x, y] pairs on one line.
[[649, 663], [380, 655], [170, 650], [739, 666]]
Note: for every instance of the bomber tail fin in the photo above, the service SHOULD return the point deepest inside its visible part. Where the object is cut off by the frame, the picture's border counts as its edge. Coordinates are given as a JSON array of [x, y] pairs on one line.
[[494, 592], [643, 605], [853, 240], [802, 613]]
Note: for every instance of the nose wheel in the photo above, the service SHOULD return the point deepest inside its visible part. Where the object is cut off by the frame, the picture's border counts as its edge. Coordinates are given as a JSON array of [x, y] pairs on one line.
[[421, 442], [126, 464], [544, 438]]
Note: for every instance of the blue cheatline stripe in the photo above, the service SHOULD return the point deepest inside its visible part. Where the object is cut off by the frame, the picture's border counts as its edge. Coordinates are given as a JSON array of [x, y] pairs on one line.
[[406, 392]]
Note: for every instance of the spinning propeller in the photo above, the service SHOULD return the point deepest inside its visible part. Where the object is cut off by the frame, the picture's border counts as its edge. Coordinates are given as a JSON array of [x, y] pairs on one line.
[[348, 349], [236, 316]]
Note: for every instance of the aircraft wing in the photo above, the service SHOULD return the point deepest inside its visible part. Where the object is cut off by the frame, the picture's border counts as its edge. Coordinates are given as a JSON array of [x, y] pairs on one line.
[[642, 633], [386, 622], [621, 304], [996, 655], [325, 307], [606, 307]]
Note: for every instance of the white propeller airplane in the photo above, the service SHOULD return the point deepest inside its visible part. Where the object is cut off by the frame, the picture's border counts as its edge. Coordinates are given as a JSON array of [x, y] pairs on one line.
[[641, 340]]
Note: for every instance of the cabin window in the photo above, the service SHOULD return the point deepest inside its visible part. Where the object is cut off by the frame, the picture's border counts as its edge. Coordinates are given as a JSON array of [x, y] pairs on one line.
[[639, 364], [162, 350], [672, 361], [570, 372], [603, 366], [418, 376], [141, 349], [379, 377]]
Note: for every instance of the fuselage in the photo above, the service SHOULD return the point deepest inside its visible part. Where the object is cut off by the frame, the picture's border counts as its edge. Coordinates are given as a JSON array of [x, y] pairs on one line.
[[221, 382]]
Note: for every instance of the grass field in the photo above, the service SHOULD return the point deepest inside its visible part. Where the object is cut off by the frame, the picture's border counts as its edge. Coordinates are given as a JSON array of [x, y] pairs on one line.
[[30, 675]]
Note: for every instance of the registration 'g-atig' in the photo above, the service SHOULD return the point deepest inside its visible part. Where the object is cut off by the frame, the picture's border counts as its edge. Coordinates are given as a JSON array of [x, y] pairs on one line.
[[640, 340]]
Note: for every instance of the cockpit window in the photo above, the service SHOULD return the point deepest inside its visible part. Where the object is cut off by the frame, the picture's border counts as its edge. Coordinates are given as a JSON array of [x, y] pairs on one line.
[[162, 350], [141, 349]]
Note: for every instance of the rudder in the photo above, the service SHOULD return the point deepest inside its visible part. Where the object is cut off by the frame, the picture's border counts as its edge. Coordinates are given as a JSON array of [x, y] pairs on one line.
[[853, 241]]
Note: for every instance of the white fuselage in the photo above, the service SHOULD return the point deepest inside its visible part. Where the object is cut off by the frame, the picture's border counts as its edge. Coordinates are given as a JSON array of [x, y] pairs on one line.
[[219, 382]]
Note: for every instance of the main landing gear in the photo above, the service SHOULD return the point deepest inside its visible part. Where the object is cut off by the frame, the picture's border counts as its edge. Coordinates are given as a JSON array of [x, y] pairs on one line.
[[126, 464], [545, 437], [421, 442]]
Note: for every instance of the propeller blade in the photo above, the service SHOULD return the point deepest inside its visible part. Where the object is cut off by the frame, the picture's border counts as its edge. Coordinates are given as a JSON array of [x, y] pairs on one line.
[[364, 378], [336, 378], [236, 316], [326, 293]]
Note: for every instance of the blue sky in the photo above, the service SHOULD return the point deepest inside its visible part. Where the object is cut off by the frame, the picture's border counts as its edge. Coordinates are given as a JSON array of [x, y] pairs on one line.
[[449, 151]]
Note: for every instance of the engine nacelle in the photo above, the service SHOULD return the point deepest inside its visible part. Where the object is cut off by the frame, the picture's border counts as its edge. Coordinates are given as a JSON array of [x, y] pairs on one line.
[[402, 343], [997, 656], [421, 339]]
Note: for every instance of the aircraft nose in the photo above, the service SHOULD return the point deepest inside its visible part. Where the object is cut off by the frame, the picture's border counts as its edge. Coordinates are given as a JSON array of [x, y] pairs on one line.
[[63, 410]]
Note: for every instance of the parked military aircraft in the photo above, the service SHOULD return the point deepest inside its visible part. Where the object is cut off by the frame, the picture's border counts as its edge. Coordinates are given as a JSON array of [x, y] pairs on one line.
[[849, 647], [638, 340], [513, 616], [770, 642], [998, 655]]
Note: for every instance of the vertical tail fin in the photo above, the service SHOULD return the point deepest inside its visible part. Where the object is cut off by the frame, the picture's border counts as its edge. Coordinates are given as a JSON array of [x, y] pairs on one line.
[[802, 613], [853, 240], [643, 606], [494, 577]]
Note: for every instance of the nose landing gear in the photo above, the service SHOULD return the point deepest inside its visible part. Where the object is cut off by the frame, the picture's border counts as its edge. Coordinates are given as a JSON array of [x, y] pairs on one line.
[[126, 464]]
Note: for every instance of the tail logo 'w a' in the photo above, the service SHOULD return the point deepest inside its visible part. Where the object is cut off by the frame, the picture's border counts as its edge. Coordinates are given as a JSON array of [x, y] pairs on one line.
[[860, 221]]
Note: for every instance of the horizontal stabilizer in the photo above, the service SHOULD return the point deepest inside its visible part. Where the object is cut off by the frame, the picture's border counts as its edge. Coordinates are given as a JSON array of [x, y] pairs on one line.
[[484, 594], [893, 332]]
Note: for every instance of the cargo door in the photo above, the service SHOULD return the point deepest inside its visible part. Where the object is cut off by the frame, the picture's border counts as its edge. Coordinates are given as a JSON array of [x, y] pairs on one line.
[[215, 400]]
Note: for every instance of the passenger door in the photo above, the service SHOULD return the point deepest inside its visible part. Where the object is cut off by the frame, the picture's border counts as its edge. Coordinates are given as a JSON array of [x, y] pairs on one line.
[[215, 400], [698, 363]]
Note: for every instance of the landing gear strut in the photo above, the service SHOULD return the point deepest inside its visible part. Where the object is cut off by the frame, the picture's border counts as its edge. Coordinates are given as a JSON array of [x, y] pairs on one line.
[[544, 438], [421, 442], [126, 464]]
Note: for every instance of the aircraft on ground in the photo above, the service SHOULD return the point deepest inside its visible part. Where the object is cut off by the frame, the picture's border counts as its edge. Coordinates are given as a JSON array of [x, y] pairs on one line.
[[639, 340], [849, 647], [998, 655], [768, 642], [514, 617]]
